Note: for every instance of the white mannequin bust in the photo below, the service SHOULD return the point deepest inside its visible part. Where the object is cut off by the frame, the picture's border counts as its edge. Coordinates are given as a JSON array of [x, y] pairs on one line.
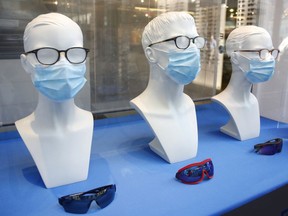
[[273, 95], [57, 134], [237, 98], [163, 104]]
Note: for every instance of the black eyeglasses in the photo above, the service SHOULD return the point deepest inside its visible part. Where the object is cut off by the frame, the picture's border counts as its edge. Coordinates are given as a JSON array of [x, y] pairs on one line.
[[183, 42], [263, 53], [49, 55], [79, 203]]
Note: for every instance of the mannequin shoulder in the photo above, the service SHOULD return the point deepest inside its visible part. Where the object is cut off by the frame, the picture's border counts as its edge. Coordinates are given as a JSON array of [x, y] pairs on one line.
[[84, 115], [186, 104], [141, 105], [25, 122], [187, 99], [223, 96]]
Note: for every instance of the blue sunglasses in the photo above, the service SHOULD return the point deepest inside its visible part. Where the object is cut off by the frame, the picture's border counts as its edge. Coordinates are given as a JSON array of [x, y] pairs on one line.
[[79, 203]]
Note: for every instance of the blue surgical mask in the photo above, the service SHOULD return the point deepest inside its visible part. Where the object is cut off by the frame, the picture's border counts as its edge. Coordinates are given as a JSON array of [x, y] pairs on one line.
[[60, 81], [183, 67], [260, 71]]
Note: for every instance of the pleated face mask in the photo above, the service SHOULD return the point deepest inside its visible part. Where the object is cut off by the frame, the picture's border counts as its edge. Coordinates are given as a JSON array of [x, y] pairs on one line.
[[260, 71], [183, 67], [184, 64], [60, 81]]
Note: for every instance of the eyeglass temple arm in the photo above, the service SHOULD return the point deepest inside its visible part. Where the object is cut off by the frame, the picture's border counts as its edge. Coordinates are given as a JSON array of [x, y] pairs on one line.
[[97, 190], [246, 50], [161, 41], [275, 141]]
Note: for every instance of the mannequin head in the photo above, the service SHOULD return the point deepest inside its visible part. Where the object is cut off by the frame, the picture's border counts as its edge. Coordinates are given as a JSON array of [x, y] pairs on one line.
[[243, 45], [56, 31], [52, 30], [248, 37], [167, 26]]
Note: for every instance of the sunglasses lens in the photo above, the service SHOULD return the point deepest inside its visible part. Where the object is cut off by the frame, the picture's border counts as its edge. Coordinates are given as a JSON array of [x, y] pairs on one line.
[[268, 149], [209, 168], [107, 197], [76, 206], [192, 174]]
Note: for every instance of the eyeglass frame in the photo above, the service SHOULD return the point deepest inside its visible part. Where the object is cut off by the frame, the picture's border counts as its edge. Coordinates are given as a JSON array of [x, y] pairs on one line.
[[270, 51], [174, 39], [35, 51]]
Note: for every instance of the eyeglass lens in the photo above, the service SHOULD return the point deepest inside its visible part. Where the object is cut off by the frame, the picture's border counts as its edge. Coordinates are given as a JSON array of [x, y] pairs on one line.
[[265, 53], [50, 56], [183, 42]]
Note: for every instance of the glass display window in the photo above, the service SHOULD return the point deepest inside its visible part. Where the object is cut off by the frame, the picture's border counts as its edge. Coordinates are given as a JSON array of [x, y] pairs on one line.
[[117, 69]]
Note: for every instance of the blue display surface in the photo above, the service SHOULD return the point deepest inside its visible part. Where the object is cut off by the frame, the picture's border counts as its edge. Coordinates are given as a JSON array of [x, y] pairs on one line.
[[146, 184]]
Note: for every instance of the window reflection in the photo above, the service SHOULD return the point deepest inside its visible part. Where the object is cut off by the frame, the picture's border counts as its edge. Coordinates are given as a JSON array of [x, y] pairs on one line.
[[121, 68], [117, 68]]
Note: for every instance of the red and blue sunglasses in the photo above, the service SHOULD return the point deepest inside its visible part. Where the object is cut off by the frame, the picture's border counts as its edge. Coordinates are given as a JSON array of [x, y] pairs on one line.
[[194, 173]]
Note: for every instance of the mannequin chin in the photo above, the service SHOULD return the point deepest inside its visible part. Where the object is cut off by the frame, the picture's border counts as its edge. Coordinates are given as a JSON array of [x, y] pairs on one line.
[[57, 134]]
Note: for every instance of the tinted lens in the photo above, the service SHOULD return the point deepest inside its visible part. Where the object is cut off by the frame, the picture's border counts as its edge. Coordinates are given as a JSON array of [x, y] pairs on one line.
[[76, 206], [199, 42], [209, 168], [76, 55], [105, 199], [279, 147], [192, 174], [268, 149], [182, 42], [47, 56]]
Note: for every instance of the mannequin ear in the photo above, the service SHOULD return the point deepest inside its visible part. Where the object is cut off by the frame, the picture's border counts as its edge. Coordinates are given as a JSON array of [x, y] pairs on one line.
[[150, 55], [234, 58], [26, 64]]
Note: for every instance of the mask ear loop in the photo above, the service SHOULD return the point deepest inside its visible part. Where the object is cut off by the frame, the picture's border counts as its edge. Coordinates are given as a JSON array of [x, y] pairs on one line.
[[26, 64], [233, 58], [150, 55]]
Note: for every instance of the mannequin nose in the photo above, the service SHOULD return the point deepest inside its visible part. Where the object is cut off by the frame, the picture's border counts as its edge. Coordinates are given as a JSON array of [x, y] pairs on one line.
[[269, 57], [62, 57]]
